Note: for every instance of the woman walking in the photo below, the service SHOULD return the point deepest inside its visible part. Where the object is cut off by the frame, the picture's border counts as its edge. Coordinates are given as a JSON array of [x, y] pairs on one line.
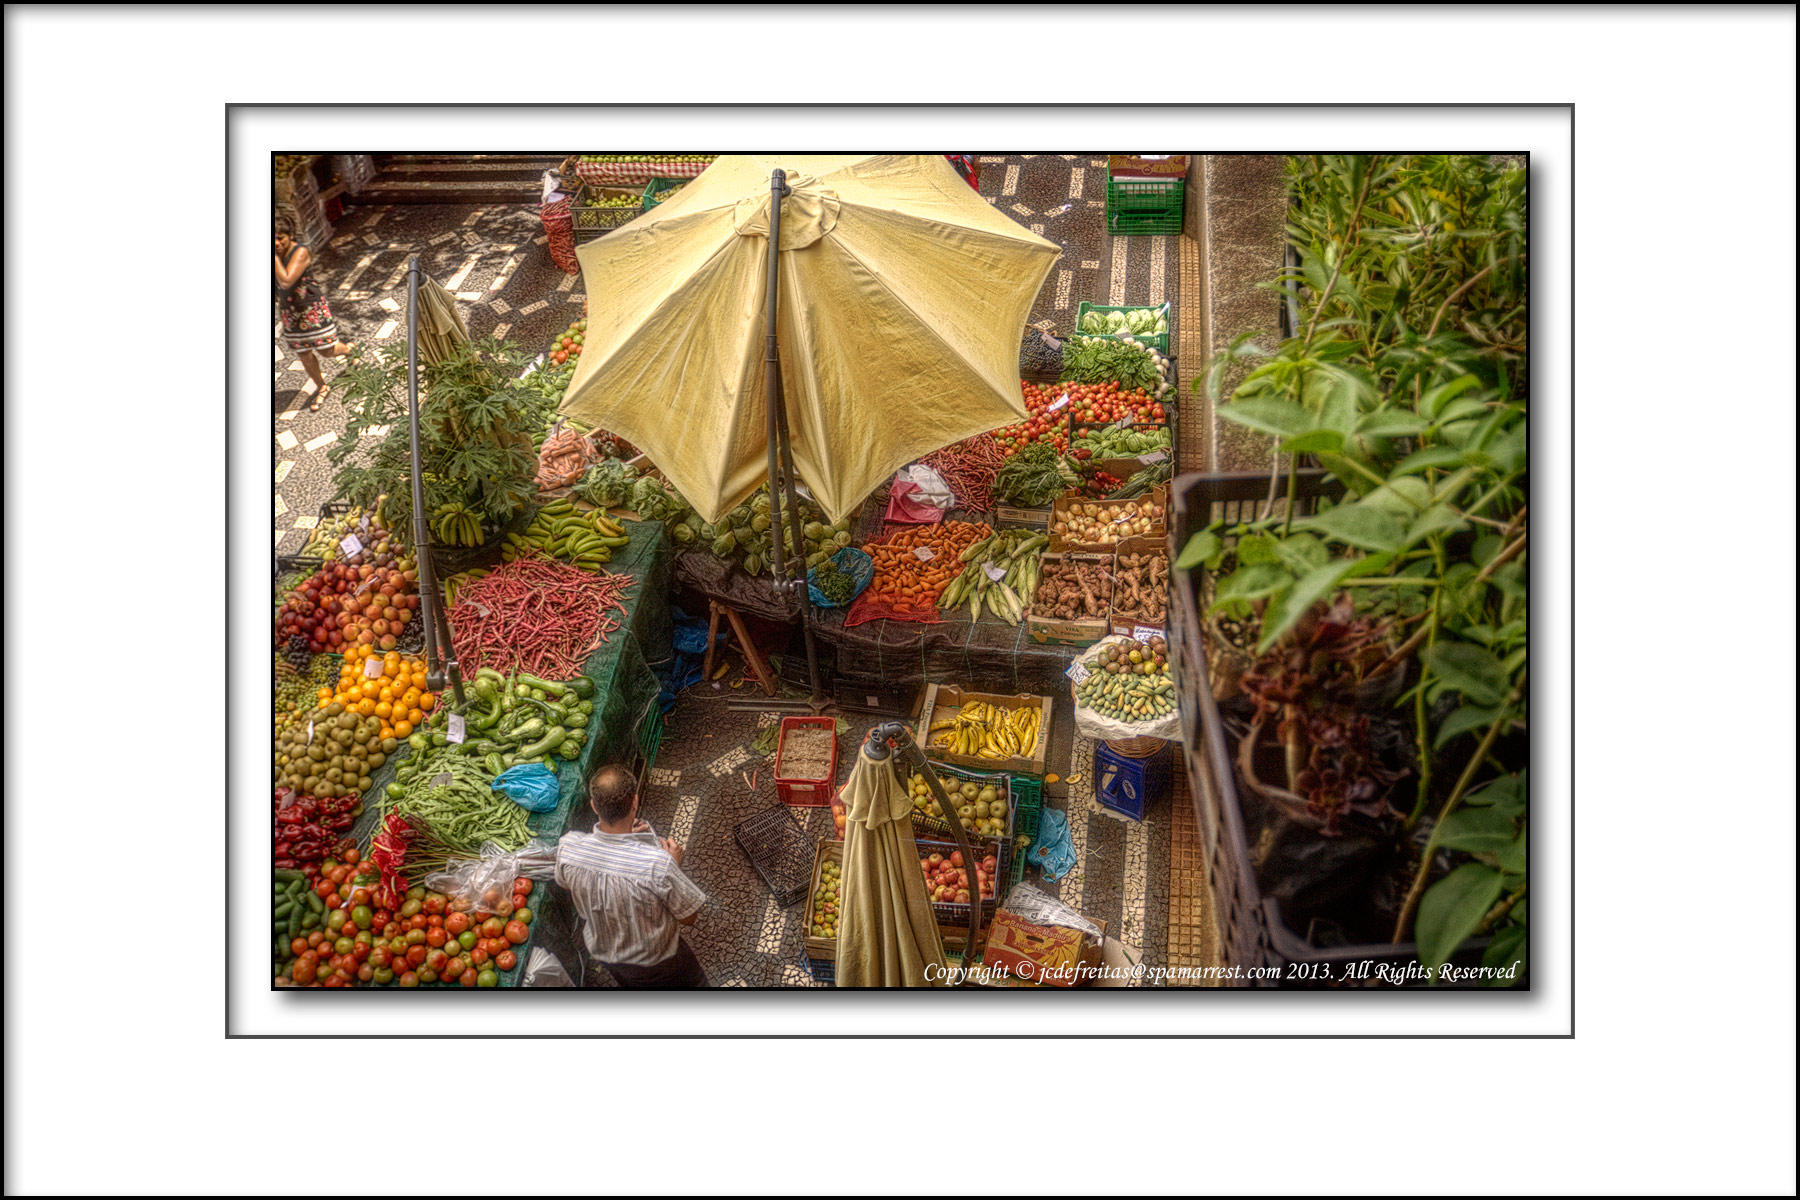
[[306, 323]]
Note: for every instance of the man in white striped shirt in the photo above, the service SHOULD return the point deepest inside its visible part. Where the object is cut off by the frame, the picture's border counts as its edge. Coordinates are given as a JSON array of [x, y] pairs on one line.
[[630, 890]]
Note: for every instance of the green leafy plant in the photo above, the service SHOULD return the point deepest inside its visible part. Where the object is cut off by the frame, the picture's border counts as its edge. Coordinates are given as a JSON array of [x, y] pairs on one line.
[[479, 428], [1407, 384]]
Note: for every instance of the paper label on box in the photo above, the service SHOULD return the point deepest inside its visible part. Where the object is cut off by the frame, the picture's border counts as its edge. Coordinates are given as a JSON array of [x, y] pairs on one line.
[[373, 668], [457, 729], [1077, 672], [1058, 403], [924, 553], [1155, 456], [1144, 633], [992, 572], [1126, 421], [352, 545]]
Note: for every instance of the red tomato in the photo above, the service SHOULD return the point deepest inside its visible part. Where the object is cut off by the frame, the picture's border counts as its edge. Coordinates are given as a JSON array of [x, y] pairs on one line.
[[522, 887], [493, 927], [517, 933], [456, 922], [436, 960], [416, 955], [478, 957], [506, 960], [417, 921], [434, 937], [468, 978]]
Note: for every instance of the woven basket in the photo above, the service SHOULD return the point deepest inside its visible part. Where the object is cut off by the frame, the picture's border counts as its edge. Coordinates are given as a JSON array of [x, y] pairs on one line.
[[1136, 747]]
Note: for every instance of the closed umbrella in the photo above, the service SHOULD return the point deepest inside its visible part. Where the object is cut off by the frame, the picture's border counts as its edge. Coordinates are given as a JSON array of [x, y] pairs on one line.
[[440, 324], [901, 299], [888, 934]]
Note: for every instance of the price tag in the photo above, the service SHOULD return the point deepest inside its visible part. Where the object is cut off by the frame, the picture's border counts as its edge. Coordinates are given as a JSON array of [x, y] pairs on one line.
[[1127, 421], [992, 572], [924, 553], [1064, 399], [373, 668], [352, 545], [441, 779], [1155, 456], [363, 525], [458, 729], [1077, 672], [1144, 633]]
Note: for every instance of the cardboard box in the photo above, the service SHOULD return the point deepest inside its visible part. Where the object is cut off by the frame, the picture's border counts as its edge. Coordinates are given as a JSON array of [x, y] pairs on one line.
[[1137, 627], [942, 699], [1059, 512], [1147, 166], [1007, 516], [1080, 631]]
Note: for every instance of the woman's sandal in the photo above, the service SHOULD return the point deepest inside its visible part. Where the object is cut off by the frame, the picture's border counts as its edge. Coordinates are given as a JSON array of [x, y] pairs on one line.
[[317, 396]]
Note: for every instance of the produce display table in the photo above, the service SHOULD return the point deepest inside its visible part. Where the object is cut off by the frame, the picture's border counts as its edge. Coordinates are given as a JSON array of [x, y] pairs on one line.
[[625, 697], [989, 654]]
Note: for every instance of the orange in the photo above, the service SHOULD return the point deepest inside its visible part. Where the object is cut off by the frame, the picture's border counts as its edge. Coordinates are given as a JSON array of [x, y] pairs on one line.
[[384, 710], [427, 701], [324, 695], [415, 717], [386, 694], [366, 707], [403, 729]]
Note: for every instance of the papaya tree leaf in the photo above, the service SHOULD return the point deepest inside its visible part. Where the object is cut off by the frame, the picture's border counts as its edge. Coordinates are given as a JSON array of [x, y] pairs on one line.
[[1253, 582]]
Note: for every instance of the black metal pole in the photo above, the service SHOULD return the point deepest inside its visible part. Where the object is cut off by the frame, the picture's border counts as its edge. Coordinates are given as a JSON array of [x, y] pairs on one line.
[[438, 650], [779, 452]]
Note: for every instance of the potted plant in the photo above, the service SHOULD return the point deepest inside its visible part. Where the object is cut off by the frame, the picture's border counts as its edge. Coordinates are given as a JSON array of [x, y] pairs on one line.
[[1397, 608]]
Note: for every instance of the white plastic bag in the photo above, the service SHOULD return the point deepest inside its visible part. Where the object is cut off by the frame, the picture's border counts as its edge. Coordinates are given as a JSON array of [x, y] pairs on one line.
[[1091, 724], [542, 970], [929, 487]]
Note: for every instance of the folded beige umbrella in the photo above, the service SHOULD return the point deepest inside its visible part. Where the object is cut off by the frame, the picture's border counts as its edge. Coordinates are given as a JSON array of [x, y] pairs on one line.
[[902, 299], [888, 933], [440, 324]]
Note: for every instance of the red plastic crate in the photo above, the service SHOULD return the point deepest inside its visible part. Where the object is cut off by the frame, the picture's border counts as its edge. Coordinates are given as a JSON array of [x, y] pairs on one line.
[[806, 793]]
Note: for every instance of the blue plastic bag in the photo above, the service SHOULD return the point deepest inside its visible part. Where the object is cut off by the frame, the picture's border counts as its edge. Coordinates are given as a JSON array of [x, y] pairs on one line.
[[532, 786], [1054, 851], [852, 562]]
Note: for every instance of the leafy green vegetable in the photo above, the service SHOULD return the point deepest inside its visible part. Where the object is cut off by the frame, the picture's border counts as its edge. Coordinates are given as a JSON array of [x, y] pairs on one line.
[[1107, 360], [1034, 476]]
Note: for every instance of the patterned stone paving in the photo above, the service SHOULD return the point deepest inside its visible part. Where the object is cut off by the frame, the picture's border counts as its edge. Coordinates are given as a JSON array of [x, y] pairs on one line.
[[495, 256]]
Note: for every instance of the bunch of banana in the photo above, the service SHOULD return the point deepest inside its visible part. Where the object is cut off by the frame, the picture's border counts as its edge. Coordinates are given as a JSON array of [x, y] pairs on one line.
[[1002, 570], [454, 524], [458, 580], [560, 530], [982, 730]]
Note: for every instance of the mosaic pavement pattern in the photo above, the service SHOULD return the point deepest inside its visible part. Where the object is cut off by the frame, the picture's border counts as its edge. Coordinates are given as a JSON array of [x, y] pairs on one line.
[[494, 258]]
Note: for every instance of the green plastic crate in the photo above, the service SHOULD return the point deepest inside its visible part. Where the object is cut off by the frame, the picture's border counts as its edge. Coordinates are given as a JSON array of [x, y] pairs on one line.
[[1142, 224], [653, 191], [1028, 810], [1159, 197], [1158, 341]]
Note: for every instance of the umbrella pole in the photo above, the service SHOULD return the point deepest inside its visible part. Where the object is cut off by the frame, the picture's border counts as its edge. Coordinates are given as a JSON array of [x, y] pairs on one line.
[[432, 607], [784, 519], [892, 738]]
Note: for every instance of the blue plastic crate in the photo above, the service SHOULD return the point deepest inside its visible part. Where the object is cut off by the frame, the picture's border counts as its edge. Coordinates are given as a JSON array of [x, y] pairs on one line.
[[1131, 785]]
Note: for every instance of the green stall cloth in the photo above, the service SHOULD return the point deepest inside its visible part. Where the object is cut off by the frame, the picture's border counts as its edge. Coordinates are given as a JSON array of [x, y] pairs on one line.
[[625, 696], [888, 935]]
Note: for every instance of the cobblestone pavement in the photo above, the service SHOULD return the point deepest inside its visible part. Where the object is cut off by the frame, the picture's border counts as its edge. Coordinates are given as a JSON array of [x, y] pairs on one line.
[[494, 259]]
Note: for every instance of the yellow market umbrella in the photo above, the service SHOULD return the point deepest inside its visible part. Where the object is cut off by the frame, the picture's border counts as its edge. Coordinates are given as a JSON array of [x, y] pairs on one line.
[[887, 934], [901, 300]]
